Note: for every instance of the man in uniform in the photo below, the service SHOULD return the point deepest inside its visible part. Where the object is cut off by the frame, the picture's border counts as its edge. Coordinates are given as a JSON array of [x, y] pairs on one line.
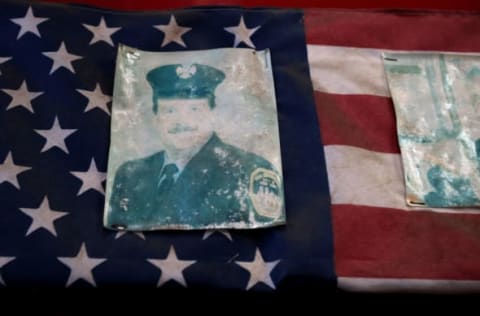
[[197, 181]]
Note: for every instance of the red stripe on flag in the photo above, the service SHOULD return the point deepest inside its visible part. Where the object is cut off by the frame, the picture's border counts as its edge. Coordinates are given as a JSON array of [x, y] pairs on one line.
[[389, 243], [394, 30], [357, 120]]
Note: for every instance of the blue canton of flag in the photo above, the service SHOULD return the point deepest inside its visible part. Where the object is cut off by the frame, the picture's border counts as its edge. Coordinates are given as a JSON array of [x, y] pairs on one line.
[[56, 78]]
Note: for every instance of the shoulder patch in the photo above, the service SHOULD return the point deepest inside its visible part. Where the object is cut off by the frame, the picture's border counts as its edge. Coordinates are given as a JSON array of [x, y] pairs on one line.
[[265, 193]]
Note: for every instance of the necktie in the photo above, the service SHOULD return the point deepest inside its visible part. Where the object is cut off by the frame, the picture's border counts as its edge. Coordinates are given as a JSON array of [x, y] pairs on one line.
[[167, 178]]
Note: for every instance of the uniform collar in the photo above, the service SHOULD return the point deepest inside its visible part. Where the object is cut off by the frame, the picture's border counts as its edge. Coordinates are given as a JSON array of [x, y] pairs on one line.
[[182, 163]]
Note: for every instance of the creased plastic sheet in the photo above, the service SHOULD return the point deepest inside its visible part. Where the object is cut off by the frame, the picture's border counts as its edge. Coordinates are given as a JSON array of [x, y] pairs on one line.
[[437, 99], [176, 111]]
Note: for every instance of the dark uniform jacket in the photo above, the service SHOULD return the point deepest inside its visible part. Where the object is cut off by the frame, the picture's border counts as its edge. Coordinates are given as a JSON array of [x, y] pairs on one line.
[[213, 191]]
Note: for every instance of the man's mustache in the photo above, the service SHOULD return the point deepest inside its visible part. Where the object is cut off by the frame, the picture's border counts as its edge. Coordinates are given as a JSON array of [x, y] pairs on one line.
[[181, 128]]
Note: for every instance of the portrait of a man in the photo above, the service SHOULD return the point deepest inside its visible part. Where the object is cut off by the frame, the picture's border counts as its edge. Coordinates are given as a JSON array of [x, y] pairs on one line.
[[196, 180]]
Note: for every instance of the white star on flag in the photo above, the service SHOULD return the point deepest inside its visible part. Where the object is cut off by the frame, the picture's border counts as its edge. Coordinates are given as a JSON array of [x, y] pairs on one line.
[[9, 171], [42, 217], [91, 179], [55, 136], [172, 32], [61, 58], [124, 233], [29, 23], [21, 97], [242, 33], [209, 233], [96, 99], [101, 32], [81, 266], [2, 60], [171, 268], [259, 270], [4, 261]]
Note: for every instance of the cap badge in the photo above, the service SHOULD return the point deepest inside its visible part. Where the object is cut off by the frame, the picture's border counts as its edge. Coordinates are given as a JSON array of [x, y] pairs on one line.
[[186, 71]]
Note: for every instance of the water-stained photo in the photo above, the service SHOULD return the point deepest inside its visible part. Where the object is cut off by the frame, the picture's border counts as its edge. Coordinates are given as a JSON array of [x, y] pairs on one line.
[[194, 142], [436, 98]]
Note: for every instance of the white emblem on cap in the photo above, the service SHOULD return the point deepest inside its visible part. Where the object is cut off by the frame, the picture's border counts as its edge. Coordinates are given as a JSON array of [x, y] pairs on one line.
[[186, 71]]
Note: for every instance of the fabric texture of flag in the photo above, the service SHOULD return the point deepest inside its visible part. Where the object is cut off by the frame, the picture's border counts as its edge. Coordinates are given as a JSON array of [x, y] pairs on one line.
[[380, 243], [57, 69], [56, 74]]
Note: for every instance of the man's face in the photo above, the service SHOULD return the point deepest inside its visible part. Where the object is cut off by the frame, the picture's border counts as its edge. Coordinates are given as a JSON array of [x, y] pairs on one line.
[[184, 123]]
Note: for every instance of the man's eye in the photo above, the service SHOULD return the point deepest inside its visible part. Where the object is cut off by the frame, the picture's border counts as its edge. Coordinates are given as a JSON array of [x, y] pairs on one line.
[[169, 110], [194, 108]]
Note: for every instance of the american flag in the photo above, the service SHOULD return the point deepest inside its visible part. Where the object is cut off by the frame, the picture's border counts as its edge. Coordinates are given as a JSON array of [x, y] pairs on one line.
[[57, 69], [379, 243]]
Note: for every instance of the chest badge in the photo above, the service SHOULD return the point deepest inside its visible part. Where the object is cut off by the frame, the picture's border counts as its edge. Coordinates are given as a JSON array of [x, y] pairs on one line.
[[264, 191]]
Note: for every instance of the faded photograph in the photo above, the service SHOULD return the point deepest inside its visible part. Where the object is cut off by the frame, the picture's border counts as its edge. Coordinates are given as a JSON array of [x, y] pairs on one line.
[[436, 106], [194, 142]]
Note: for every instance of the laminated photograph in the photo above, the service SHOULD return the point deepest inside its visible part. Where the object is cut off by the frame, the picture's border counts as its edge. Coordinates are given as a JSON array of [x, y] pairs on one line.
[[437, 98], [194, 142]]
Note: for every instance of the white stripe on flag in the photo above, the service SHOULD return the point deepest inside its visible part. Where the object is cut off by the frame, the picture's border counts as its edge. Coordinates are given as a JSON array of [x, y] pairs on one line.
[[408, 285], [362, 177], [352, 70], [347, 70]]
